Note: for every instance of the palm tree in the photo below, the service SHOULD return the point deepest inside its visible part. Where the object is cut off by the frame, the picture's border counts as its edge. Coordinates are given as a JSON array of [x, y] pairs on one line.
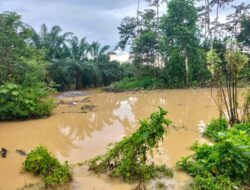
[[77, 58], [97, 52], [51, 40]]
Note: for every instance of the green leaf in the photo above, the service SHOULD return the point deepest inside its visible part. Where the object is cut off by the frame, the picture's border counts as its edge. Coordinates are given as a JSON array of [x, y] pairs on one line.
[[3, 91], [15, 93]]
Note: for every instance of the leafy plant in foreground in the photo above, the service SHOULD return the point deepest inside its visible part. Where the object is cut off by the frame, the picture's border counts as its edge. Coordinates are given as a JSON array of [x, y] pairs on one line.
[[224, 165], [129, 157], [40, 162], [243, 127], [18, 102], [216, 126]]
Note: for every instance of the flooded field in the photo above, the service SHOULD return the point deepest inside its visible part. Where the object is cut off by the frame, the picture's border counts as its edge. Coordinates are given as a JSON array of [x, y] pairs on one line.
[[75, 134]]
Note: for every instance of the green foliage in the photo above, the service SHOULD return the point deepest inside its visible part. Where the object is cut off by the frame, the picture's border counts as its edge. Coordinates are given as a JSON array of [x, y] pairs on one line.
[[13, 34], [244, 35], [224, 165], [40, 162], [243, 127], [213, 61], [129, 157], [216, 126], [19, 63], [210, 182], [180, 45], [17, 102], [133, 83]]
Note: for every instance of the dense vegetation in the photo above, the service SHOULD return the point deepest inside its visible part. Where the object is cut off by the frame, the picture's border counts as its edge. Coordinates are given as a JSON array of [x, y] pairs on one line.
[[170, 50], [129, 158], [18, 102], [182, 48], [40, 162], [224, 165]]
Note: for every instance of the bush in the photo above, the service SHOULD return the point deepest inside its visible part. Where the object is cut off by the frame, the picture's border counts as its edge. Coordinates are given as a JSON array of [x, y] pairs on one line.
[[224, 165], [129, 157], [17, 102], [40, 162], [243, 127], [135, 84], [210, 183], [216, 126]]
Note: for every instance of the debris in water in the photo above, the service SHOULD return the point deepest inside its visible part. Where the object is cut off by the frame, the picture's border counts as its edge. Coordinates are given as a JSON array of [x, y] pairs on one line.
[[201, 127], [21, 152], [87, 108], [4, 152]]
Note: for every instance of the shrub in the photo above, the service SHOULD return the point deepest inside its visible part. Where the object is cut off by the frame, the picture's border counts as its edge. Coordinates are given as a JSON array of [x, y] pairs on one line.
[[243, 127], [40, 162], [135, 84], [216, 126], [224, 165], [17, 102], [211, 183], [129, 157]]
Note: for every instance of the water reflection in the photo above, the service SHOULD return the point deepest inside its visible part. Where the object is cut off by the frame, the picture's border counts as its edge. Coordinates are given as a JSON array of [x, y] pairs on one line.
[[77, 136]]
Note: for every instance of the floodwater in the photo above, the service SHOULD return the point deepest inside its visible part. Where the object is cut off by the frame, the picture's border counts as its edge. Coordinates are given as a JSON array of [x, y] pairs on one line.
[[75, 136]]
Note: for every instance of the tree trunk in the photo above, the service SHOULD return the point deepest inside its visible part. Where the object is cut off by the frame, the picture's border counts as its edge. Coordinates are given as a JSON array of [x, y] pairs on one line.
[[186, 68], [137, 18], [78, 80], [217, 17], [208, 25]]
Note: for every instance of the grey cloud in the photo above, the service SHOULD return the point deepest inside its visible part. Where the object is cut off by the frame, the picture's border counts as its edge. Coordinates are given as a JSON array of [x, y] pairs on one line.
[[95, 19]]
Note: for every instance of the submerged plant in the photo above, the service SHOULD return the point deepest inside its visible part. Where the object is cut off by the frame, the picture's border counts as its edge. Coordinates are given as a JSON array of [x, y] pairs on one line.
[[40, 162], [129, 157]]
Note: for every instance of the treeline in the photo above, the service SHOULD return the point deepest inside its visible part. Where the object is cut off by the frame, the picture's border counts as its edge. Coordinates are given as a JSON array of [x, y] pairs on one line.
[[51, 56], [169, 51], [33, 64], [172, 49]]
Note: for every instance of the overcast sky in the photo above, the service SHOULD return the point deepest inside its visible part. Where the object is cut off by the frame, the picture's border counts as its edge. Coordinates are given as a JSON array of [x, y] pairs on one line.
[[95, 19]]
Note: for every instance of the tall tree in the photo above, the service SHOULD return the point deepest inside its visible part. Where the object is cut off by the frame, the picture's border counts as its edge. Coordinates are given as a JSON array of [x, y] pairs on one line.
[[50, 40], [237, 21], [98, 52], [145, 45], [180, 30], [75, 59], [141, 34], [17, 59], [244, 35]]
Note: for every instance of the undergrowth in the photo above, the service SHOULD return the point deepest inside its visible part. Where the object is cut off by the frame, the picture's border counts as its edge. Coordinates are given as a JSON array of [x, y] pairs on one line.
[[40, 162], [129, 158], [18, 102], [125, 84], [216, 126], [224, 165]]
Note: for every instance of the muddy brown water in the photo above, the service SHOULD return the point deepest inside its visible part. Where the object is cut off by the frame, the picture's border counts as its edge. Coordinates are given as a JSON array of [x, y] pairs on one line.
[[74, 136]]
